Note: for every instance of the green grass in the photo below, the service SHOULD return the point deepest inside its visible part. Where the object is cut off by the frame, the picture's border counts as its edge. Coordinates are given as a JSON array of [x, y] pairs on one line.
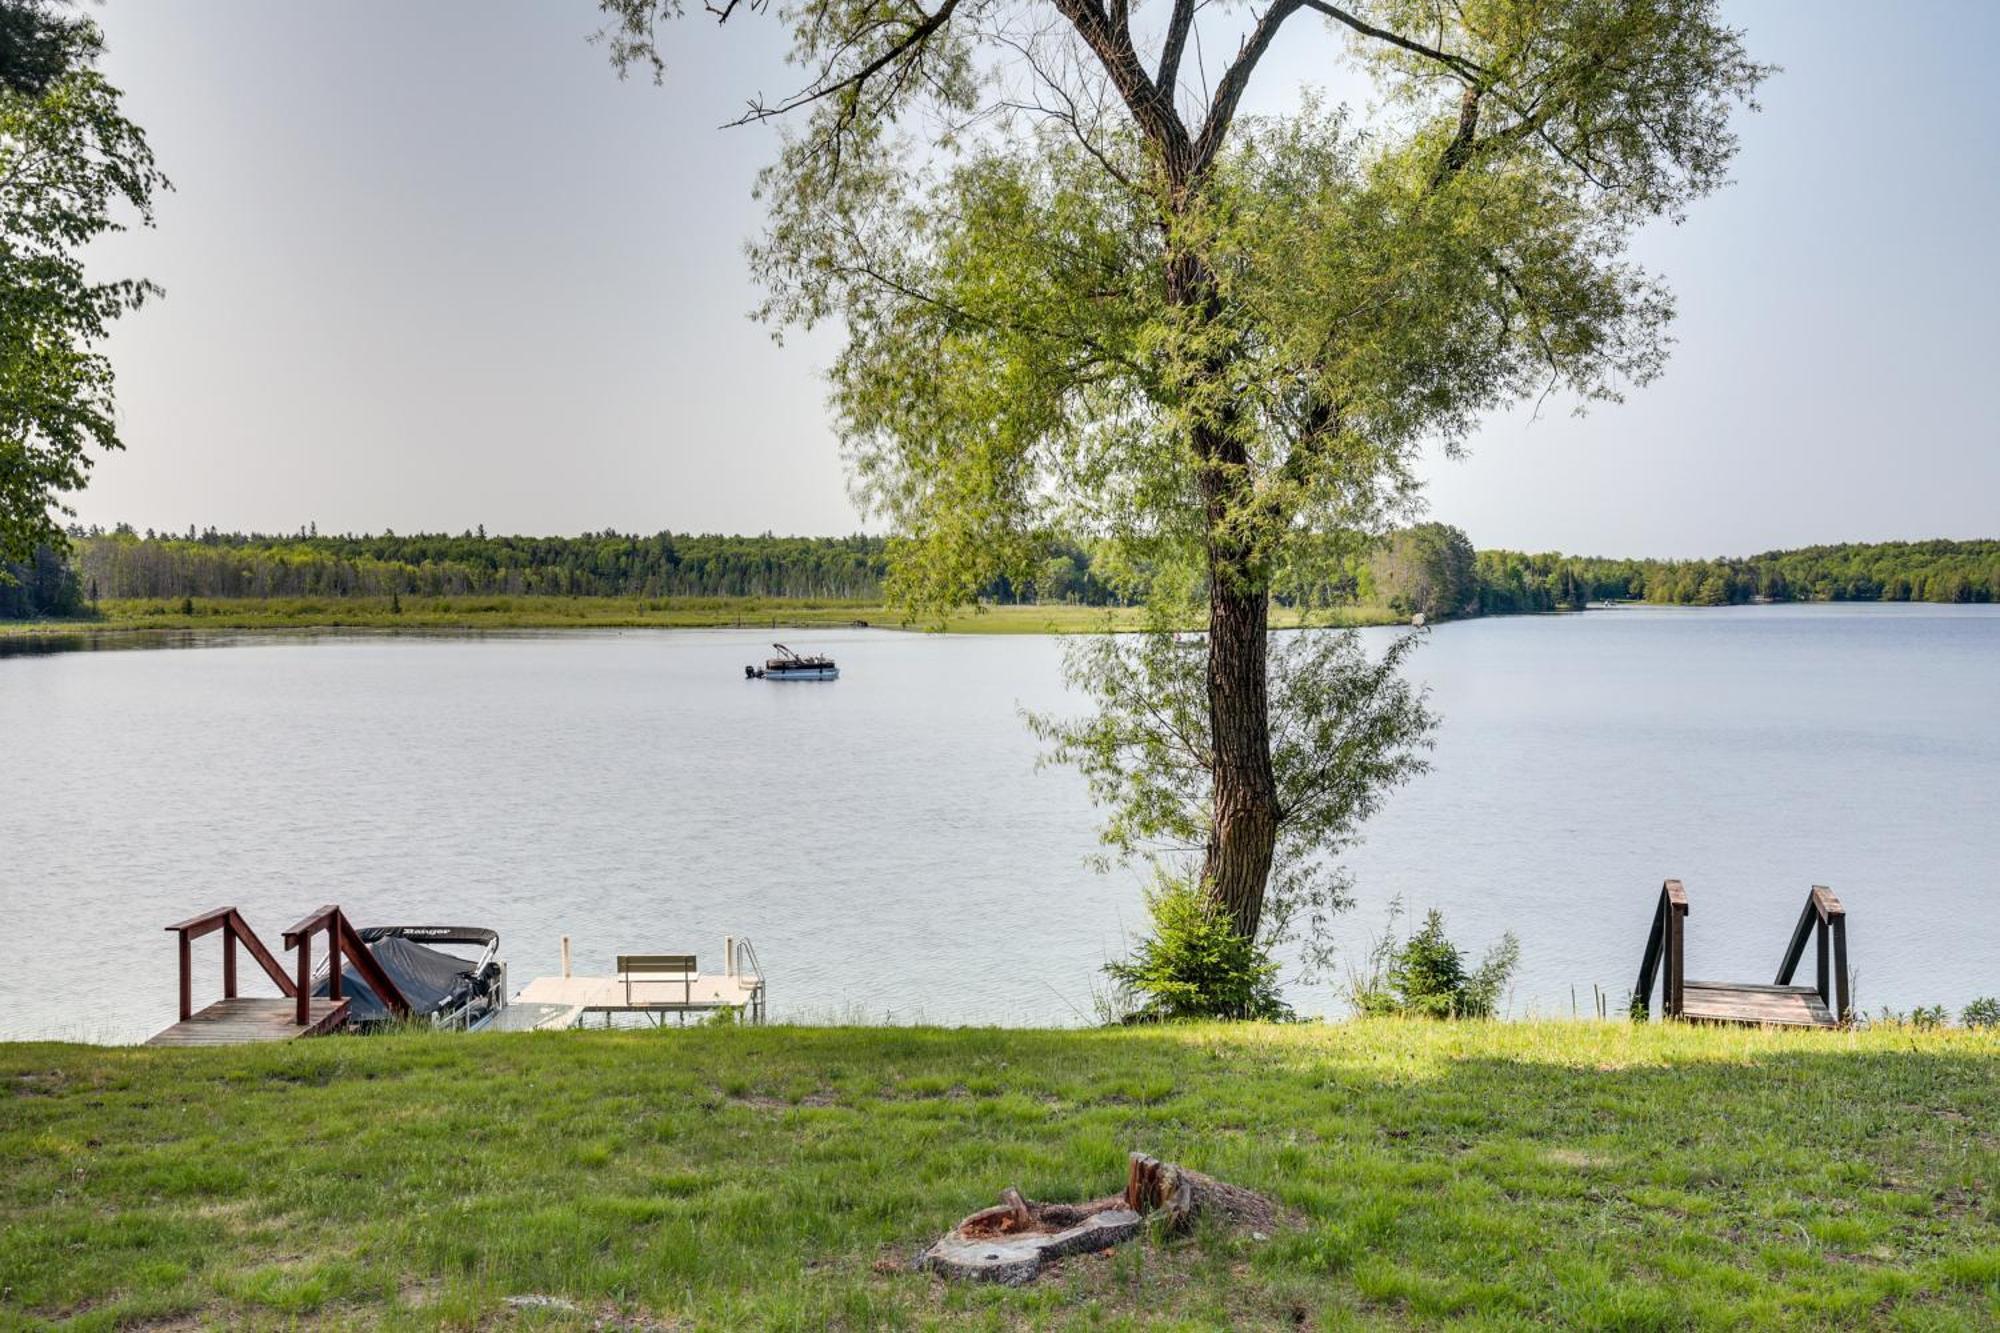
[[1500, 1175], [501, 613]]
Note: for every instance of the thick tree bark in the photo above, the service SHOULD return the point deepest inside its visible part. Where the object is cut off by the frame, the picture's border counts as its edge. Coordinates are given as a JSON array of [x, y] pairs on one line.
[[1244, 830]]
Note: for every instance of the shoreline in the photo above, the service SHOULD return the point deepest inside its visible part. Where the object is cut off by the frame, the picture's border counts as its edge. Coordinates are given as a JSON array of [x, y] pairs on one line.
[[473, 614]]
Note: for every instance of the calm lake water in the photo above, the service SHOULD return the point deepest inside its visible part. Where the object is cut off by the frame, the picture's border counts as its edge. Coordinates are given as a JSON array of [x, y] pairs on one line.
[[890, 847]]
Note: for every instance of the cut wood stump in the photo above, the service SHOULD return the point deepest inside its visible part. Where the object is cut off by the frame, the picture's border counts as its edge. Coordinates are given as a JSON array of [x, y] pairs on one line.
[[1010, 1242]]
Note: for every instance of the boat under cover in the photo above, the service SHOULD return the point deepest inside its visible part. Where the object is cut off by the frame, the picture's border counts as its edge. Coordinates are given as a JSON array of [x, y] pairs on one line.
[[442, 988]]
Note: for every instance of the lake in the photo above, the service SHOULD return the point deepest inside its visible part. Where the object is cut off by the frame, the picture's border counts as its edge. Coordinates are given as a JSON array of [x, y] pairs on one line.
[[890, 846]]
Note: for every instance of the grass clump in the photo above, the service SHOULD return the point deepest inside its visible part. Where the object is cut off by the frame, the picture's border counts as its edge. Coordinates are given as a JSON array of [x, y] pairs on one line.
[[1425, 976]]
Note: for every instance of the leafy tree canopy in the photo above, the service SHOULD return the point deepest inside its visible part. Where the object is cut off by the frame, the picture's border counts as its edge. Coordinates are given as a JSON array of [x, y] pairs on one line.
[[69, 163], [1082, 294]]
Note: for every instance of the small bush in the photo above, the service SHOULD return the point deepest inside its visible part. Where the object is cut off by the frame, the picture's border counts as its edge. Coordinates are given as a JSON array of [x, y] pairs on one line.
[[1983, 1012], [1425, 976], [1195, 965]]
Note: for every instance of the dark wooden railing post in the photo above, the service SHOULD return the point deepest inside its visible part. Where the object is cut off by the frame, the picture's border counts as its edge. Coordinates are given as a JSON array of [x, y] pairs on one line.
[[305, 946], [1826, 921], [229, 961], [187, 978], [1665, 942], [1845, 1011], [1821, 963], [1674, 1001]]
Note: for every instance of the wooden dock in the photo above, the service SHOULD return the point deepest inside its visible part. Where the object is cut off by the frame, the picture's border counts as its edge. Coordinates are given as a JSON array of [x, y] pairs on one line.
[[234, 1021], [1759, 1006], [652, 985], [1823, 924]]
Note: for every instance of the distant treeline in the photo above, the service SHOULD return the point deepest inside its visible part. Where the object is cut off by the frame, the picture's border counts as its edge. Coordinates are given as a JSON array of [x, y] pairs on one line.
[[1431, 568]]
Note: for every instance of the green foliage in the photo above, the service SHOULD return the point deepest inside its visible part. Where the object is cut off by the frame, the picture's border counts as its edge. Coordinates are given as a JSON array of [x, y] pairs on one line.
[[1983, 1012], [42, 585], [1429, 570], [1195, 964], [1346, 729], [1425, 976], [70, 162]]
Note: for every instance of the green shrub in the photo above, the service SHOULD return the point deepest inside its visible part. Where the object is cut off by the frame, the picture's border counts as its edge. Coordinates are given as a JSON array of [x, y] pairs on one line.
[[1195, 965], [1983, 1012], [1425, 976]]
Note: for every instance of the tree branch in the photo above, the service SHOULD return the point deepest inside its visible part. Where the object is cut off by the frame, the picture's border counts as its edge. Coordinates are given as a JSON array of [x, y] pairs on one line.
[[918, 34], [1464, 68], [1176, 42], [1236, 79], [1152, 109]]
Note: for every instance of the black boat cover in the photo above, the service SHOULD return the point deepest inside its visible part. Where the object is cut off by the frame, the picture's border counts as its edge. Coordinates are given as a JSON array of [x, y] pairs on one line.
[[427, 978]]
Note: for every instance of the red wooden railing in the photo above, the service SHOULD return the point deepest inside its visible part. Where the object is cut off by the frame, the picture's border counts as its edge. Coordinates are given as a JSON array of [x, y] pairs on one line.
[[341, 939], [234, 928]]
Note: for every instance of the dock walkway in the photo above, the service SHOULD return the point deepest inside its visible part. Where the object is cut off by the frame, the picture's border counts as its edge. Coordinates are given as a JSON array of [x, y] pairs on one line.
[[240, 1019], [653, 985]]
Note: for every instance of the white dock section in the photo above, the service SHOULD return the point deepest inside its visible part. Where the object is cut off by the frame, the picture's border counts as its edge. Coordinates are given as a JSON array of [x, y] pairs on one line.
[[651, 984]]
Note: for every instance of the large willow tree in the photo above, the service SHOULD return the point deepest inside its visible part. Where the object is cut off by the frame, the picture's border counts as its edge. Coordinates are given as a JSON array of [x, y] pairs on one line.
[[1083, 295]]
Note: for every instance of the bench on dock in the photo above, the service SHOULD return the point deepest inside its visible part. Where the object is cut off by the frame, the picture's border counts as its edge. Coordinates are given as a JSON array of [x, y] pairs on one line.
[[656, 969], [1825, 1004]]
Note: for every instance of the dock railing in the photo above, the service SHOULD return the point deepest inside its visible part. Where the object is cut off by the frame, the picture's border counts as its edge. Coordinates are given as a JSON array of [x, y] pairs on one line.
[[234, 930], [742, 962], [1665, 943], [1824, 920], [341, 939]]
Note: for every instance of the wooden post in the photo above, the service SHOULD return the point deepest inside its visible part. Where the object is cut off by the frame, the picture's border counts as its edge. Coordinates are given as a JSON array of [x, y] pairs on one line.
[[1840, 1015], [565, 956], [728, 955], [1821, 962], [333, 965], [228, 961], [187, 982], [305, 979]]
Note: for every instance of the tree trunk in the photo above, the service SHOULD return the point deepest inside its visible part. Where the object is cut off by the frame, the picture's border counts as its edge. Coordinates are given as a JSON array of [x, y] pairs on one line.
[[1244, 831]]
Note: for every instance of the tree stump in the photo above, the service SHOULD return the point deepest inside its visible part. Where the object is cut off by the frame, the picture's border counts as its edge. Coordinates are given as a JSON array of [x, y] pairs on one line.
[[1010, 1242]]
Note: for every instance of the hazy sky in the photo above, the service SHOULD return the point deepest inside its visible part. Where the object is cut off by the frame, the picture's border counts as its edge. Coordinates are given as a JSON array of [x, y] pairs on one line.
[[430, 266]]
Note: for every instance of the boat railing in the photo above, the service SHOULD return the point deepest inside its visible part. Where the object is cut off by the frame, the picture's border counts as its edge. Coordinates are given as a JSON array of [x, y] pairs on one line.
[[341, 939], [234, 930]]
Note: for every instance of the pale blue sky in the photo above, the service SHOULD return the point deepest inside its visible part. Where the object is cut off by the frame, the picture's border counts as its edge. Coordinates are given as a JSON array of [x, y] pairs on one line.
[[431, 266]]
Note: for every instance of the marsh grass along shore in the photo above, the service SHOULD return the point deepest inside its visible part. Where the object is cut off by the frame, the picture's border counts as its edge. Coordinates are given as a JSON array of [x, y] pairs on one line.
[[492, 613]]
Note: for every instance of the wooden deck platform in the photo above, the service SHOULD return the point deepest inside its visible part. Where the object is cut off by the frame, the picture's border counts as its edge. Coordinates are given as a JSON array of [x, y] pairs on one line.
[[245, 1019], [561, 1002], [1759, 1006]]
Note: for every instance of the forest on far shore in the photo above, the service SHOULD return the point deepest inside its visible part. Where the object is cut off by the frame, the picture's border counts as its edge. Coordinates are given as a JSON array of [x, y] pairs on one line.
[[1431, 568]]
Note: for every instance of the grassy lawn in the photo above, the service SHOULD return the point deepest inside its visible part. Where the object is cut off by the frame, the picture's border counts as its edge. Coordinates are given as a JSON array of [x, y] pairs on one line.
[[500, 613], [1505, 1175]]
